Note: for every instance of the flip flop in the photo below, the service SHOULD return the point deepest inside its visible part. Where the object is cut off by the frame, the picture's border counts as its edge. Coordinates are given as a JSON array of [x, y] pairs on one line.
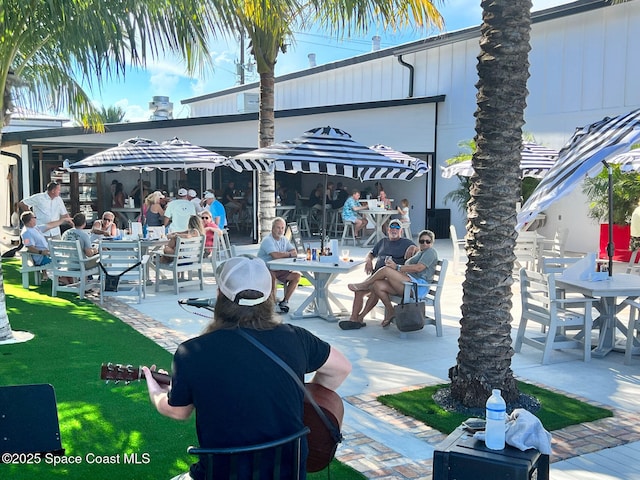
[[351, 325], [385, 323]]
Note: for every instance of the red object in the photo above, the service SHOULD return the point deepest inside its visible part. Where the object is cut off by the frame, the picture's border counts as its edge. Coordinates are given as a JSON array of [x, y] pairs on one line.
[[621, 237]]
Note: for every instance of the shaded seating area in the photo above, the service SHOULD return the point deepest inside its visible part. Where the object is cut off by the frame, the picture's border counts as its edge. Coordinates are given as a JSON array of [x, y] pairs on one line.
[[122, 269], [557, 317], [71, 270], [185, 267]]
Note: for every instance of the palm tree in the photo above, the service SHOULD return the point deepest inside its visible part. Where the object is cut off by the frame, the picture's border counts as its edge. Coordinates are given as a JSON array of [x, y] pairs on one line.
[[270, 26], [112, 114], [46, 45], [485, 351]]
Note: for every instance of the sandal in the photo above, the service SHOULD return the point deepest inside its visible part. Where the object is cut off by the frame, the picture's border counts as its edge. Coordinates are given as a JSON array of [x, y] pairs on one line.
[[351, 325], [387, 321]]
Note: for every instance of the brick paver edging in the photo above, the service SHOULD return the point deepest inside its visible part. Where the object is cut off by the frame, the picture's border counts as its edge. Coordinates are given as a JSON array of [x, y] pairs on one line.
[[377, 461]]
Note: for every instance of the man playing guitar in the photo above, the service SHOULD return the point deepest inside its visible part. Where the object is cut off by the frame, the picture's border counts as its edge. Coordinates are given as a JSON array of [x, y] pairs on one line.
[[240, 396]]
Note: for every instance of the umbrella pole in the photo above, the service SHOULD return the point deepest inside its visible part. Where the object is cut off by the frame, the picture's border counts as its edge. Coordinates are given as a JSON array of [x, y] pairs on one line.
[[141, 192], [324, 214], [610, 245]]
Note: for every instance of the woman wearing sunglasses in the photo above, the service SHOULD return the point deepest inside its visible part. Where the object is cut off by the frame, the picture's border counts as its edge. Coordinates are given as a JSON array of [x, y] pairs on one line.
[[389, 280]]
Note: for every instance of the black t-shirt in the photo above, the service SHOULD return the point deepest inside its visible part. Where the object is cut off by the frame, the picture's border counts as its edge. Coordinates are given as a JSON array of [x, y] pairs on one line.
[[395, 248], [227, 195], [241, 396]]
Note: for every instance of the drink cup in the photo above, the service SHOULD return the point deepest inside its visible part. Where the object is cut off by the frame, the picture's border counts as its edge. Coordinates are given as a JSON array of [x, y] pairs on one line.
[[344, 255]]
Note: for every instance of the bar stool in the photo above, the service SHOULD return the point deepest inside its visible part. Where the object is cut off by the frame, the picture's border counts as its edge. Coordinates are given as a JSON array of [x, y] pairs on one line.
[[303, 223], [348, 233], [406, 229]]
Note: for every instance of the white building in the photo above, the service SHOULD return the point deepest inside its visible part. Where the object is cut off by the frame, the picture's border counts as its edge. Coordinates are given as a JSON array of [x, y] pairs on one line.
[[420, 98]]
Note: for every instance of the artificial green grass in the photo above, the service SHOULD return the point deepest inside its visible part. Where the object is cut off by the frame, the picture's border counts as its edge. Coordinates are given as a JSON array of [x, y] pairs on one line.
[[557, 411], [72, 339]]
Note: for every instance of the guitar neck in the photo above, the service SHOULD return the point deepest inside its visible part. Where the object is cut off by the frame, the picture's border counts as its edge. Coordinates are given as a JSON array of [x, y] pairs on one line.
[[129, 373], [161, 378]]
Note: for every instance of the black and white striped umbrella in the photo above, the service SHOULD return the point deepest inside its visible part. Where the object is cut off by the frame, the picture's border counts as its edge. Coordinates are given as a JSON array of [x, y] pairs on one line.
[[326, 150], [142, 154], [402, 158], [535, 161], [582, 156], [628, 161]]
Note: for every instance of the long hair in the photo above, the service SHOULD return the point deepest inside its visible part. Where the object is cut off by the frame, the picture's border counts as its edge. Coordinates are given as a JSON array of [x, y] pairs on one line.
[[228, 314], [195, 223]]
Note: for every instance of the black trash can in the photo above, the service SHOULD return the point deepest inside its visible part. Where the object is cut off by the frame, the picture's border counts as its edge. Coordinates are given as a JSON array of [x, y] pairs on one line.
[[438, 221]]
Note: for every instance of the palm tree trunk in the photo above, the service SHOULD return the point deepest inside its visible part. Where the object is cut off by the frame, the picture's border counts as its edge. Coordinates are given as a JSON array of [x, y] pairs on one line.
[[485, 351], [266, 181], [5, 326]]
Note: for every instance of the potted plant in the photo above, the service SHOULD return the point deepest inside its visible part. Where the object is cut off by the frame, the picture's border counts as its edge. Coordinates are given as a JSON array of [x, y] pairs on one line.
[[625, 193]]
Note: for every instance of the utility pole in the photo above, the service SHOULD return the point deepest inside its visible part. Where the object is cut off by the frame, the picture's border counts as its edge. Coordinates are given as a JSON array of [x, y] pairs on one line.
[[241, 66]]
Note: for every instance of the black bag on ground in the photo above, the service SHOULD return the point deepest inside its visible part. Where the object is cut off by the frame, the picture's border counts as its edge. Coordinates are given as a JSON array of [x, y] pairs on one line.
[[409, 316], [111, 281]]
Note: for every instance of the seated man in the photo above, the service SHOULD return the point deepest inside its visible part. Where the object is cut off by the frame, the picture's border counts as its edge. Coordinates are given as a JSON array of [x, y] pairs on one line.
[[34, 240], [275, 245], [395, 248], [78, 233]]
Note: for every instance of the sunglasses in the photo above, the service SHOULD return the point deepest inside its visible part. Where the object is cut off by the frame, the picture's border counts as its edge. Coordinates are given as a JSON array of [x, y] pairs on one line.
[[395, 226], [206, 218], [425, 242]]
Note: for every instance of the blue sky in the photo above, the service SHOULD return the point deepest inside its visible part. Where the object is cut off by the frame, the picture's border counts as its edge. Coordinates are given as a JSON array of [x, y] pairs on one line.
[[167, 77]]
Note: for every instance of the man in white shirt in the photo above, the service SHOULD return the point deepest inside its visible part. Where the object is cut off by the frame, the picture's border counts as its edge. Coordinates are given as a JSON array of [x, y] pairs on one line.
[[178, 212], [276, 245], [192, 196], [48, 207]]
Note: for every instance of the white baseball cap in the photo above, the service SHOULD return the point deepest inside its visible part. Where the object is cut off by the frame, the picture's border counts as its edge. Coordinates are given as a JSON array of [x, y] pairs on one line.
[[209, 195], [182, 192], [192, 193], [240, 274]]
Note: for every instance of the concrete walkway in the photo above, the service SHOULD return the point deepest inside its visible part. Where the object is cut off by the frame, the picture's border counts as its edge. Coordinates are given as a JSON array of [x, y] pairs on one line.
[[385, 445]]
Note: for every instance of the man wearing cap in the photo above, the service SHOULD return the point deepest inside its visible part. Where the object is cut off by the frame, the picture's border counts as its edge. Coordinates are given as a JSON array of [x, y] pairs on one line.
[[178, 212], [244, 398], [276, 245], [218, 213], [33, 238], [395, 246], [192, 196], [48, 207]]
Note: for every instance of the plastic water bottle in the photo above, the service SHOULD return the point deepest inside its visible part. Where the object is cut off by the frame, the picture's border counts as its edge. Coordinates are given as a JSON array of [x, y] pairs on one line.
[[496, 416]]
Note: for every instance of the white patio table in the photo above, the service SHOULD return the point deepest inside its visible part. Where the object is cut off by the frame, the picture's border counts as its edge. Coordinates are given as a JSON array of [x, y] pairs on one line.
[[321, 275], [619, 285], [378, 217]]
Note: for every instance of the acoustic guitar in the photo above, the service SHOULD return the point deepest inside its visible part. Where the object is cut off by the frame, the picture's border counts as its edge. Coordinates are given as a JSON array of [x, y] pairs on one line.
[[322, 444]]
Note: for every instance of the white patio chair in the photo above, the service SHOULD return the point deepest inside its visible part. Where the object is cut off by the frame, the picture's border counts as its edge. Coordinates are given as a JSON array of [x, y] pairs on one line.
[[185, 266], [124, 260], [557, 316], [28, 266], [459, 250], [68, 260]]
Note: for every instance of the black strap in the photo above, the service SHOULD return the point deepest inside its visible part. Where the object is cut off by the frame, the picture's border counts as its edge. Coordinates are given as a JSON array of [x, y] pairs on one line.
[[119, 274], [414, 288], [335, 432]]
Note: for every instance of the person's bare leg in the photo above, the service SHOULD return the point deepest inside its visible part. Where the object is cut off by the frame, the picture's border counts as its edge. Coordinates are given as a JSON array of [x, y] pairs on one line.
[[358, 300], [292, 283], [274, 283], [385, 273], [372, 301], [383, 289]]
